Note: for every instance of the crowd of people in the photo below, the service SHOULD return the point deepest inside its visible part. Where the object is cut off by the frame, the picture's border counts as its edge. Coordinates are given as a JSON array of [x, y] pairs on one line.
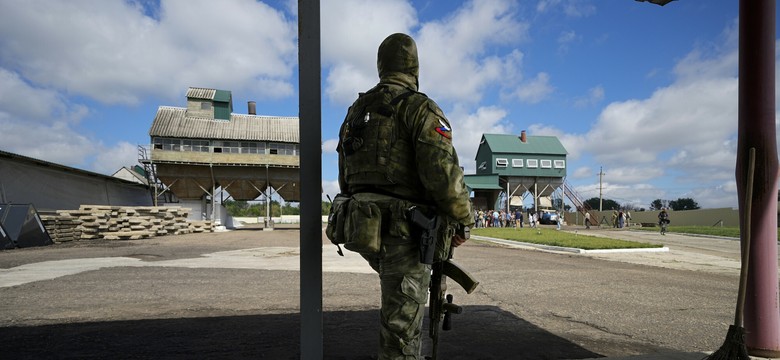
[[508, 219], [621, 219]]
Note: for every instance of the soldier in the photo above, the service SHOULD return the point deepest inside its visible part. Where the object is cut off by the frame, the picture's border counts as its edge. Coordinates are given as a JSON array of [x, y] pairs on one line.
[[395, 151]]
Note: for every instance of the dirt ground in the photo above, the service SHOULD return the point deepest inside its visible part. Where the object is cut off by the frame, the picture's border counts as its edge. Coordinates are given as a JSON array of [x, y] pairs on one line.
[[167, 305]]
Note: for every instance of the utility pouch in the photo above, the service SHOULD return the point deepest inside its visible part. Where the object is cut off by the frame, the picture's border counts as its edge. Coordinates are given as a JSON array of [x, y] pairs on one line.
[[338, 215], [363, 227]]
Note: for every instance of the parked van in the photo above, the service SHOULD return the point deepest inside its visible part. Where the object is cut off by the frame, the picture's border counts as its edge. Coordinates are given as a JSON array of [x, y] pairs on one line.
[[548, 216]]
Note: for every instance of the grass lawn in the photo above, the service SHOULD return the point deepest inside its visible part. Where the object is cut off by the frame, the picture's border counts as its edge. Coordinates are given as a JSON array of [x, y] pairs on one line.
[[559, 238]]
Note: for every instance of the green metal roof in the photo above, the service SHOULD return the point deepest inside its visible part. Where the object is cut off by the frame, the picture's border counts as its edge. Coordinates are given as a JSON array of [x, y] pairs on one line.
[[222, 96], [511, 144], [482, 182]]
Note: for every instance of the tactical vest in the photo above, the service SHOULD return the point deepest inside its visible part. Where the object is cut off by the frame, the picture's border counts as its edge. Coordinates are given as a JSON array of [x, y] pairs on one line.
[[376, 144]]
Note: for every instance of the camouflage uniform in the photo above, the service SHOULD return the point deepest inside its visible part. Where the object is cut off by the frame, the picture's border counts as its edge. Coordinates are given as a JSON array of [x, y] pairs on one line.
[[420, 168]]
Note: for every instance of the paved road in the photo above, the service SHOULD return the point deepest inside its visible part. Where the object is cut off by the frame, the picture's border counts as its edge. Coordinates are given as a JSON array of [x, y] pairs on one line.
[[699, 253], [236, 295]]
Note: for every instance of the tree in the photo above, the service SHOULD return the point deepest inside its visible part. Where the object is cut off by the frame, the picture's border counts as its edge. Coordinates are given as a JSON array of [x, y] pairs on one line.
[[289, 209], [236, 208], [558, 203], [325, 208], [659, 204], [683, 204], [630, 207], [607, 204]]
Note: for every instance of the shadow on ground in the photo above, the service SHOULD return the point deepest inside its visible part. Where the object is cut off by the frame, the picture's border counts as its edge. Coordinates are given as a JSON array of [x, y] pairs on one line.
[[482, 332]]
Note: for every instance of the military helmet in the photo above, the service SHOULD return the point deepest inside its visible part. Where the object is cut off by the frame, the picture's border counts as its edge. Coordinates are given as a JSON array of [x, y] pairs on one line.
[[398, 53]]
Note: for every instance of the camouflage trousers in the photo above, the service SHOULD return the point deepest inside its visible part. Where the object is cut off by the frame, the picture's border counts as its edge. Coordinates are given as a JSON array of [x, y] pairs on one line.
[[404, 282]]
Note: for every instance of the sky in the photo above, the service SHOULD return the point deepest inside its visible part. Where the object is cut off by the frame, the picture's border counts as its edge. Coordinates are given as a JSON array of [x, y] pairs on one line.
[[646, 94]]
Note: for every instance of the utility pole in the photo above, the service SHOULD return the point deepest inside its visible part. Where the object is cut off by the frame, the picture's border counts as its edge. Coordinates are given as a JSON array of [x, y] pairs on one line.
[[601, 175]]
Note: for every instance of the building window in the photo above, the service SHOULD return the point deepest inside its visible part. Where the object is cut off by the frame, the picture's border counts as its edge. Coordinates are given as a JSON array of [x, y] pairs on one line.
[[167, 144], [501, 163], [517, 162], [205, 105], [249, 147], [195, 145], [231, 147], [253, 147], [283, 149], [559, 164], [546, 164], [532, 163]]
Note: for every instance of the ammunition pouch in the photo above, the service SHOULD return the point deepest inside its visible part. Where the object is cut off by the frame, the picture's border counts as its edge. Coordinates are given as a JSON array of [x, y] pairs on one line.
[[363, 227], [338, 214], [360, 221]]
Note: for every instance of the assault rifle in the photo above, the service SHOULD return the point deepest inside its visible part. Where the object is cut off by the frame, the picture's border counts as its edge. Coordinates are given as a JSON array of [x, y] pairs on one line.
[[441, 306]]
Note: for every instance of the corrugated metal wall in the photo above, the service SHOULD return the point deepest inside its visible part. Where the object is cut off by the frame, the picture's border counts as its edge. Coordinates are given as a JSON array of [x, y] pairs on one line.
[[54, 188]]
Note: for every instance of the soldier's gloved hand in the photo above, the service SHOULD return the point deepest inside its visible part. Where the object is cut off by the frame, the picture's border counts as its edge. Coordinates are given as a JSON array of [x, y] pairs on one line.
[[457, 240]]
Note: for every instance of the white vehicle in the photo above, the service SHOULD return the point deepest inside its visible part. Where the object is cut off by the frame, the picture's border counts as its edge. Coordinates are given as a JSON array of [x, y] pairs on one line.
[[548, 216]]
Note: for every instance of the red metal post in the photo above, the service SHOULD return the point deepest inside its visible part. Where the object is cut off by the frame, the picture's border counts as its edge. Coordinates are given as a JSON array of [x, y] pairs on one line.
[[757, 129]]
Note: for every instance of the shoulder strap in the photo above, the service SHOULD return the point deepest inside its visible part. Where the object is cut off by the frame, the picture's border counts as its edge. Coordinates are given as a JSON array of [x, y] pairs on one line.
[[401, 97]]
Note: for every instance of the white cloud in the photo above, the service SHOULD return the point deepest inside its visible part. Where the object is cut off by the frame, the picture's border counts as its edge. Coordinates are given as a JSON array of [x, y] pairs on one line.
[[19, 100], [683, 134], [348, 26], [573, 143], [544, 5], [76, 49], [55, 142], [344, 82], [351, 33], [536, 90], [109, 160], [112, 52], [451, 50], [329, 146], [629, 175], [330, 187], [722, 195], [572, 8], [578, 8], [467, 130], [38, 123], [594, 96], [672, 118], [582, 172], [566, 38]]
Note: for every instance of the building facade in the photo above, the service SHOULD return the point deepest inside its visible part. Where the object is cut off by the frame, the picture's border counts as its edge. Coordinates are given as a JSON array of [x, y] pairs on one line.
[[204, 151]]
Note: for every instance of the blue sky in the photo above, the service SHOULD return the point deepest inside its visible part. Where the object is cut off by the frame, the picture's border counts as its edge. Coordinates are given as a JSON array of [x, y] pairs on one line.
[[649, 93]]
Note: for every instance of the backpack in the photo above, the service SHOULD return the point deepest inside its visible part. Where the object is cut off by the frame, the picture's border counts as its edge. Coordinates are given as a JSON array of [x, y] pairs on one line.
[[367, 138]]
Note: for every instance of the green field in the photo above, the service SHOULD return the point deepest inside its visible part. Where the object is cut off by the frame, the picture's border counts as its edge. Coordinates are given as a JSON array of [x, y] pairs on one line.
[[554, 237]]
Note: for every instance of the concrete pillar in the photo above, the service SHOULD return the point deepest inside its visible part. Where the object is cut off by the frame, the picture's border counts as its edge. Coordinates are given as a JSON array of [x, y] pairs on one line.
[[757, 130]]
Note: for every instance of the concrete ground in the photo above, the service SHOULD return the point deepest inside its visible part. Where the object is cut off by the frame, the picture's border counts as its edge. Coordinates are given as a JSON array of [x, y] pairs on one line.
[[235, 295]]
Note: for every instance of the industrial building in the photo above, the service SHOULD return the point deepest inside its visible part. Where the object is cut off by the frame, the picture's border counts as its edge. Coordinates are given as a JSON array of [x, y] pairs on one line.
[[516, 166], [204, 152], [50, 186]]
